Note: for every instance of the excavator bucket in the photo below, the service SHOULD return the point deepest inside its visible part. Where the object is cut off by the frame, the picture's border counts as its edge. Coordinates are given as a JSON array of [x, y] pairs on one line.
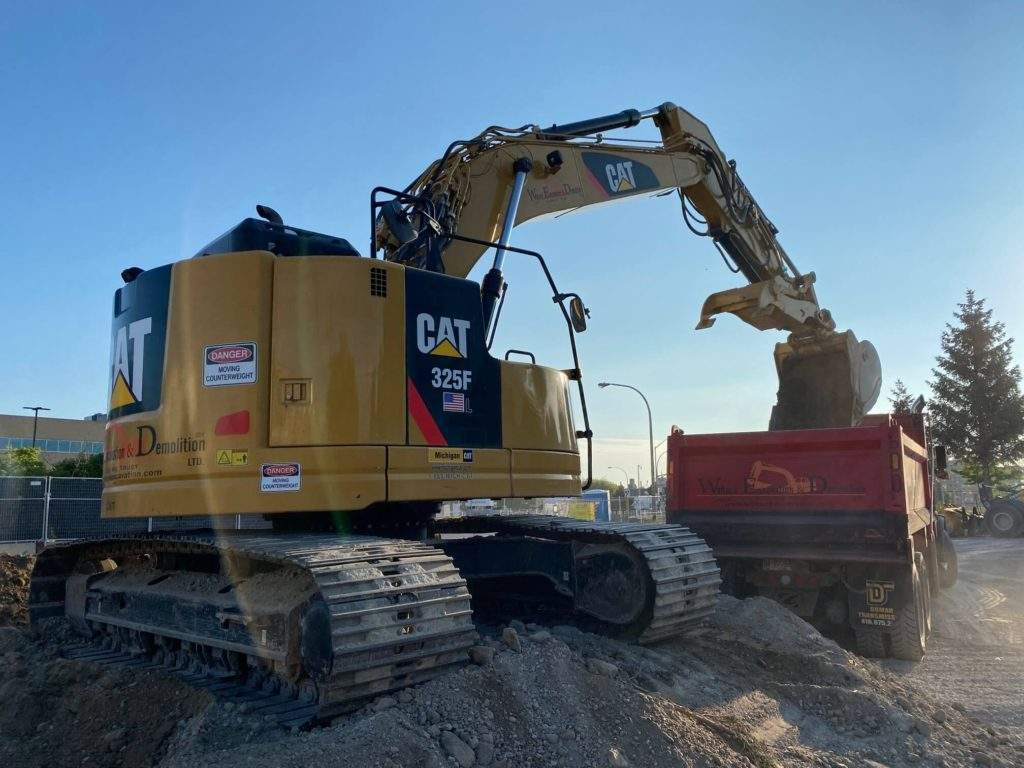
[[827, 381]]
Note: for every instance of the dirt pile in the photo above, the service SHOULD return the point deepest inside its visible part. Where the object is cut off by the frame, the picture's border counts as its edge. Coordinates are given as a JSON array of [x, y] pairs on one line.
[[57, 713], [758, 688], [14, 578]]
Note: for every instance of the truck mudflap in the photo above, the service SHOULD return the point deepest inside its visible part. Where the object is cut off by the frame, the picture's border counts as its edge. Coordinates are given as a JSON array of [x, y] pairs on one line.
[[878, 599], [890, 611]]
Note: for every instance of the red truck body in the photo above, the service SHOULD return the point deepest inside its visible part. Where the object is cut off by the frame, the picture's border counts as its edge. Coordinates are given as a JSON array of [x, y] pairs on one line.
[[835, 523]]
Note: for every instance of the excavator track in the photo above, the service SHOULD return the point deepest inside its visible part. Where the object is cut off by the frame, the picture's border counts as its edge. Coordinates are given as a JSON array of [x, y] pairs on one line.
[[300, 627], [355, 616], [675, 578]]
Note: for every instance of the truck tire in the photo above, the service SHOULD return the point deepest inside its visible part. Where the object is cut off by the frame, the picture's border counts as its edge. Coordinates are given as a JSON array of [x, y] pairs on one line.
[[1004, 520], [949, 565], [870, 643], [909, 633]]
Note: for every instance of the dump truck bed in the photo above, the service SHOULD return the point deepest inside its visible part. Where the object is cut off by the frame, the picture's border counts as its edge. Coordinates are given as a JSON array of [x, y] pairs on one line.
[[850, 494], [836, 524]]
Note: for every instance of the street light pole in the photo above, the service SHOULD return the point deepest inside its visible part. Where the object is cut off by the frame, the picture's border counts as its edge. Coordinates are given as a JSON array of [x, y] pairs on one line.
[[35, 419], [624, 472], [650, 421]]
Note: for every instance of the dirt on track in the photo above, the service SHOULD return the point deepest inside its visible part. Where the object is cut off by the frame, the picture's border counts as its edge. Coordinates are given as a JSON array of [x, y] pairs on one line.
[[759, 688], [14, 577]]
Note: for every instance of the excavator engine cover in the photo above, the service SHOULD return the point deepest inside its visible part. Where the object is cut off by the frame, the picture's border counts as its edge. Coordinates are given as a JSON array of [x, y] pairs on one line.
[[825, 382]]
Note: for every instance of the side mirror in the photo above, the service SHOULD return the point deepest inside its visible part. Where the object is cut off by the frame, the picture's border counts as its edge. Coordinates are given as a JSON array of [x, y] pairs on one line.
[[940, 462], [578, 314]]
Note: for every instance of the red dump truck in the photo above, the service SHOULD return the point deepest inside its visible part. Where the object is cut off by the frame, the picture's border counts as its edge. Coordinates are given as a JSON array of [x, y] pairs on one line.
[[836, 524]]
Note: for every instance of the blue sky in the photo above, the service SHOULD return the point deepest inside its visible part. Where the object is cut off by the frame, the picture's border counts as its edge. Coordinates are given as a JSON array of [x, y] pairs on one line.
[[883, 142]]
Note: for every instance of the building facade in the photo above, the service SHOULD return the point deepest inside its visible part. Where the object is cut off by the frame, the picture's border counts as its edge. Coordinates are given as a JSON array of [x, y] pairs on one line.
[[56, 438]]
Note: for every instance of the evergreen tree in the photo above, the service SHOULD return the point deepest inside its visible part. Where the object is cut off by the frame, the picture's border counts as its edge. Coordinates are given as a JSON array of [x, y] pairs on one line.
[[902, 401], [976, 407]]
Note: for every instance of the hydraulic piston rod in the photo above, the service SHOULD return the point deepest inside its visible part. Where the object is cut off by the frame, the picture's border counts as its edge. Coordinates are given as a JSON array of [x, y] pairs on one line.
[[493, 282]]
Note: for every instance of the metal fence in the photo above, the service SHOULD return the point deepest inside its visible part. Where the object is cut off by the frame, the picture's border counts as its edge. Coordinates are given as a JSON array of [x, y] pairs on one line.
[[49, 508]]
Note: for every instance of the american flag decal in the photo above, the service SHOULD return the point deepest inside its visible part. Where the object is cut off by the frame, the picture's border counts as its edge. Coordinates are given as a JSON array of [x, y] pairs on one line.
[[453, 402]]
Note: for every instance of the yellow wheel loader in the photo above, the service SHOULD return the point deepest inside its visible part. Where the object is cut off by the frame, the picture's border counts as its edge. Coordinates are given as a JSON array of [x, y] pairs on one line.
[[342, 397]]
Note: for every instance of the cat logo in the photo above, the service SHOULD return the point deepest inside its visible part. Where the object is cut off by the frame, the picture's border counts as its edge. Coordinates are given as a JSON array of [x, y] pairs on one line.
[[620, 176], [128, 364], [444, 336]]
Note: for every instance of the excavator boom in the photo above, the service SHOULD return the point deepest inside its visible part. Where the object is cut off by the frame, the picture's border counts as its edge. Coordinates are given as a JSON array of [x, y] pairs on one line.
[[482, 187]]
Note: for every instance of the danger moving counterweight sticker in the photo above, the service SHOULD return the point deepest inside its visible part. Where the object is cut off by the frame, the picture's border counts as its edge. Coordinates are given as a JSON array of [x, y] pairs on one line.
[[227, 364], [280, 477]]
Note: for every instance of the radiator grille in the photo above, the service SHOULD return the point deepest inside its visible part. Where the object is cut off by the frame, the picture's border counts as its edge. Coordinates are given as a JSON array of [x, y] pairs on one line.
[[378, 282]]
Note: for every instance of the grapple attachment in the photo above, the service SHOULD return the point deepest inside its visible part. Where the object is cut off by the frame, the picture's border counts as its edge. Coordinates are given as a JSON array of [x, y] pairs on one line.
[[825, 381]]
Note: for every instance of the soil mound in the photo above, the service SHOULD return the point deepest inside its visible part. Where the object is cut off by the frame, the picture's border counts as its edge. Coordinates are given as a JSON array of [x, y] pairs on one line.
[[56, 713], [759, 688], [14, 577]]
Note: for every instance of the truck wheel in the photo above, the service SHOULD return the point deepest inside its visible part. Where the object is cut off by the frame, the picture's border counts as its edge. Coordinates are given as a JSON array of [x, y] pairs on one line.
[[949, 566], [1004, 520], [870, 643], [909, 633]]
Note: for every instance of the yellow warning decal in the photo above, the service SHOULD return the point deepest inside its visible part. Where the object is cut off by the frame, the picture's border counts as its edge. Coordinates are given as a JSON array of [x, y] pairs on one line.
[[232, 458], [121, 395], [446, 349]]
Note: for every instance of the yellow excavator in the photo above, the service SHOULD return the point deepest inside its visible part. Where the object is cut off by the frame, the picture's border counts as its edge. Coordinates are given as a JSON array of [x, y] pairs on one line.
[[281, 374]]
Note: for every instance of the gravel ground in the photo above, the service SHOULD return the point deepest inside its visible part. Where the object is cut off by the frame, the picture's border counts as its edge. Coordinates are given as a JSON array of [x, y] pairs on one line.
[[975, 658], [758, 688]]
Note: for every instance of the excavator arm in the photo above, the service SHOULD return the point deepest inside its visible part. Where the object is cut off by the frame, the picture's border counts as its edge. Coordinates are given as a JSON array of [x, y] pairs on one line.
[[482, 187]]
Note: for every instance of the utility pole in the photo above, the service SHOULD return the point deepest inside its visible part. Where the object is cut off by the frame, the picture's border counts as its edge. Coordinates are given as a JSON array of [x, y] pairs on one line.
[[650, 422], [35, 419]]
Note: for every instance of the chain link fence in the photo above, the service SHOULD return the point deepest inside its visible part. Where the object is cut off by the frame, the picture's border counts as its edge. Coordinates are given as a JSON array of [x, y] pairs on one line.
[[22, 508], [52, 508]]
